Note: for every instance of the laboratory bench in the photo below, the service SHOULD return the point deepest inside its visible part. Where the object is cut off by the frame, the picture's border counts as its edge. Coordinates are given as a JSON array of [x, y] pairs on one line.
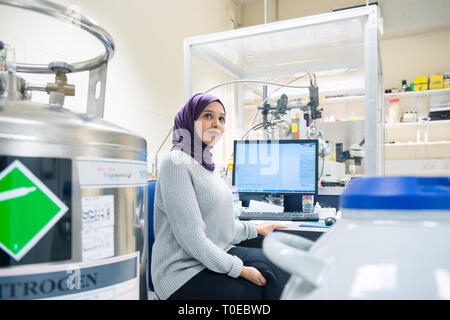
[[311, 233], [327, 197]]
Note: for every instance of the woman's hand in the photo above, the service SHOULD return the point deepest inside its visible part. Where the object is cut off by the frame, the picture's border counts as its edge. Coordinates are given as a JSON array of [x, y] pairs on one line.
[[267, 227], [253, 275]]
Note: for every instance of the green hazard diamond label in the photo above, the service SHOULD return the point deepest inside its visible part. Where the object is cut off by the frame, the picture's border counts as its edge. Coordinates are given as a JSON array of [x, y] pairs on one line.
[[28, 210]]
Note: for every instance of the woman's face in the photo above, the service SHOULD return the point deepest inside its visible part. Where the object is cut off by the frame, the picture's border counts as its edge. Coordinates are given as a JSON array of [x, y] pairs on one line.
[[210, 125]]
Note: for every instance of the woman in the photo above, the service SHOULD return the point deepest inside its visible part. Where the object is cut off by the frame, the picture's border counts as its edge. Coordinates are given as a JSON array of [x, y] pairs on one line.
[[194, 256]]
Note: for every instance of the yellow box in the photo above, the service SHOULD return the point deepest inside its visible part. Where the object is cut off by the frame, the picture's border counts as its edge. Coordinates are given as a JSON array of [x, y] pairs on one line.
[[420, 83], [437, 81], [420, 87]]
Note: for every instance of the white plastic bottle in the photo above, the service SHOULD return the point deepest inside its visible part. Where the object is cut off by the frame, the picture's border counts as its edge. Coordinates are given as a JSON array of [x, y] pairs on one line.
[[393, 115]]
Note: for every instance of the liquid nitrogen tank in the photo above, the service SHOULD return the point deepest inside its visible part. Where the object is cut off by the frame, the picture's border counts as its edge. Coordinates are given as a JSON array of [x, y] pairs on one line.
[[73, 187]]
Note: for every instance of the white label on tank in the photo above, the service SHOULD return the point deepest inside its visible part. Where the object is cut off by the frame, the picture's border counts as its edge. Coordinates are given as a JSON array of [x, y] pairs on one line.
[[97, 237], [97, 211], [97, 243], [111, 173]]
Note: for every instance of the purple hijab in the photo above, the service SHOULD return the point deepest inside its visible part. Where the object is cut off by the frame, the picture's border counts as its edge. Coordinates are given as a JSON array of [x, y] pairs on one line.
[[184, 136]]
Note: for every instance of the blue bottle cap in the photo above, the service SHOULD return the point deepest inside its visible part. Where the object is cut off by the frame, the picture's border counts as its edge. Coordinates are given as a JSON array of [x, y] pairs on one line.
[[397, 193]]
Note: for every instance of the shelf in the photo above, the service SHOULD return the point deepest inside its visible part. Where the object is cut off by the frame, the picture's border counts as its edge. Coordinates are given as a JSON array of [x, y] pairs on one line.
[[436, 123], [417, 93], [407, 132], [417, 150], [358, 98], [418, 167], [405, 144]]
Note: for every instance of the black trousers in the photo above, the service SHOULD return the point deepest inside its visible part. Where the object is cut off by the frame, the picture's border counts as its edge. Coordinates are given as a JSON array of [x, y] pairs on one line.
[[210, 285]]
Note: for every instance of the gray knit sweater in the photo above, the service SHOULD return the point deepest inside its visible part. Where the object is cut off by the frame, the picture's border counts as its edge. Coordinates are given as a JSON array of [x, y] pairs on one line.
[[194, 224]]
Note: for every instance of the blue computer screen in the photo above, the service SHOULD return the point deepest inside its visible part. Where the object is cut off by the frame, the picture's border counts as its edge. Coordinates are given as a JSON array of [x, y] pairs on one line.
[[275, 166]]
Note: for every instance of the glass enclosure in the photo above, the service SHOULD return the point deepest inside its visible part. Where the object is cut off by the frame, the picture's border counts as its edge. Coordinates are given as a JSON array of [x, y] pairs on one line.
[[340, 52]]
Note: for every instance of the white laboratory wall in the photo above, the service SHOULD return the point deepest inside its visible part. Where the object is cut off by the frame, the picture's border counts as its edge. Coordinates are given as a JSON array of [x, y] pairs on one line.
[[145, 77], [407, 57]]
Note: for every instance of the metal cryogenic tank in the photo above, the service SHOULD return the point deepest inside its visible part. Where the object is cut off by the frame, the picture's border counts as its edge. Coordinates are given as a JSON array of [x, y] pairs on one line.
[[73, 187]]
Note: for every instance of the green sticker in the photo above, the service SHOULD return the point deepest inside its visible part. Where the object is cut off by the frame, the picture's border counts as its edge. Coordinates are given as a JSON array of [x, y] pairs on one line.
[[28, 210]]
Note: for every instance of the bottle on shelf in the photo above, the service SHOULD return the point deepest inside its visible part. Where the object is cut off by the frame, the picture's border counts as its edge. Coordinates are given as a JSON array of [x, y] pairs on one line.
[[393, 115], [404, 86]]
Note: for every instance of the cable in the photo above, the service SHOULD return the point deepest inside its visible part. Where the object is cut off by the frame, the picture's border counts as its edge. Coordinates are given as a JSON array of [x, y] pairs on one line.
[[287, 84], [254, 118], [259, 81], [281, 85], [157, 151], [323, 165], [261, 125], [255, 127], [304, 71]]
